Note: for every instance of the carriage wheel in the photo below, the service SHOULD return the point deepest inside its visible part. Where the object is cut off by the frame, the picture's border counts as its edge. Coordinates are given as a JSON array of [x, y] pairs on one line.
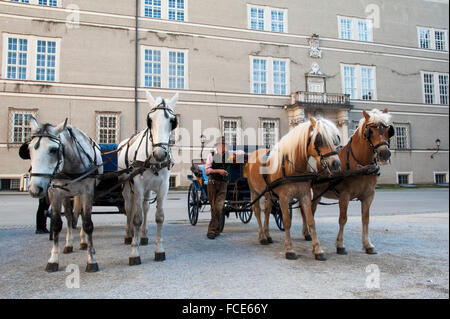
[[276, 211], [193, 205], [246, 216]]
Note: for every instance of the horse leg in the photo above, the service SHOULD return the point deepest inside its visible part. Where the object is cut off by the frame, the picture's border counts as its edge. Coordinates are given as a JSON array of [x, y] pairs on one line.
[[284, 204], [128, 200], [146, 208], [69, 237], [267, 210], [343, 206], [53, 262], [305, 229], [77, 210], [257, 211], [365, 207], [305, 203], [160, 254], [88, 228], [136, 219]]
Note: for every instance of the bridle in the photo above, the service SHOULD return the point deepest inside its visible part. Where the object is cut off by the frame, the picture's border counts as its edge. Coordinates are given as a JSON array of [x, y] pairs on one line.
[[57, 140], [167, 112], [323, 157]]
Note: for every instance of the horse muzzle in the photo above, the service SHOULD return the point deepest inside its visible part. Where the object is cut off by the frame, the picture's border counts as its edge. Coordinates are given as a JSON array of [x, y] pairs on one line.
[[160, 154], [37, 191], [384, 155]]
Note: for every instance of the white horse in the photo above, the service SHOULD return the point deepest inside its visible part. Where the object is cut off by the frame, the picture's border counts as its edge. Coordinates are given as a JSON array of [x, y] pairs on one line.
[[59, 155], [148, 149]]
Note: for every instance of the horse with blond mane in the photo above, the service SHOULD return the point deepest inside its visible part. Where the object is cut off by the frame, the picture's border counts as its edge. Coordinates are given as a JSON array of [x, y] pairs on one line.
[[289, 158], [368, 145]]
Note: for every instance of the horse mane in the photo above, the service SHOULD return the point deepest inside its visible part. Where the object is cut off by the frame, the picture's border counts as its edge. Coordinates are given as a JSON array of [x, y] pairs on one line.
[[294, 145], [376, 117]]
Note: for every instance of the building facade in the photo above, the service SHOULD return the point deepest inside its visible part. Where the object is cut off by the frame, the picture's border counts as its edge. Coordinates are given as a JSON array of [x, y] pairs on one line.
[[237, 64]]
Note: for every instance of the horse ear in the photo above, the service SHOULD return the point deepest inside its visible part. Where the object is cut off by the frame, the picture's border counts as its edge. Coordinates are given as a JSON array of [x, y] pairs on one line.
[[385, 110], [61, 127], [173, 101], [34, 124], [313, 121], [150, 99], [366, 115]]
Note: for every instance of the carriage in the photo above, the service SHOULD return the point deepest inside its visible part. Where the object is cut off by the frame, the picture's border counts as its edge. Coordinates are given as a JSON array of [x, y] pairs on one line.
[[238, 192]]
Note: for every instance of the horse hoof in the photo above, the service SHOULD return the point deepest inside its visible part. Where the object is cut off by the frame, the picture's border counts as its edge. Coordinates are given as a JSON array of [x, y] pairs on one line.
[[264, 242], [160, 256], [320, 257], [308, 238], [83, 246], [270, 240], [341, 251], [68, 250], [127, 240], [144, 241], [133, 261], [291, 256], [92, 267], [371, 251], [51, 267]]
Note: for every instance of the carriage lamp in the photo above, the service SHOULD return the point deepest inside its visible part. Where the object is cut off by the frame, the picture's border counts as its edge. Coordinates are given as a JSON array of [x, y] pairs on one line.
[[203, 141], [438, 145]]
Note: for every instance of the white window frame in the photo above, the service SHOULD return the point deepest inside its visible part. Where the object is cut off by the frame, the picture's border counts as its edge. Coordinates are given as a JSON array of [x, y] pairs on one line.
[[11, 112], [410, 177], [36, 2], [270, 73], [238, 121], [31, 56], [441, 173], [276, 121], [165, 66], [436, 87], [116, 115], [355, 28], [268, 18], [165, 11], [433, 38], [408, 136], [358, 77]]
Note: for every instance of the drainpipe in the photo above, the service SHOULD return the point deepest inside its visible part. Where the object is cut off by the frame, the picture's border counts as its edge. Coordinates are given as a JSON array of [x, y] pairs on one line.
[[136, 71]]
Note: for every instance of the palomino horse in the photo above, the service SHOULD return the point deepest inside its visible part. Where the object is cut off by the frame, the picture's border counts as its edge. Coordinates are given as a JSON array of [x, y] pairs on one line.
[[368, 145], [148, 149], [64, 162], [316, 138]]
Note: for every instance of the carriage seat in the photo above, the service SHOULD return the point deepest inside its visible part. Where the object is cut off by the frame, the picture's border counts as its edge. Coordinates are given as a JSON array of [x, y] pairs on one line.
[[202, 169], [111, 165]]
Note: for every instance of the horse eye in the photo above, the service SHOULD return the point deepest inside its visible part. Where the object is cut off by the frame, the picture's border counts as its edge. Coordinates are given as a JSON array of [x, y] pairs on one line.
[[53, 150]]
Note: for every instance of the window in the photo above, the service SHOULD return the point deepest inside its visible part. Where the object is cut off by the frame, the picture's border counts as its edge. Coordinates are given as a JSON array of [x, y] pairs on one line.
[[435, 88], [269, 76], [231, 131], [269, 131], [402, 136], [108, 128], [403, 178], [355, 29], [441, 178], [359, 81], [49, 3], [30, 58], [164, 68], [7, 184], [175, 10], [172, 182], [20, 128], [267, 19], [432, 39]]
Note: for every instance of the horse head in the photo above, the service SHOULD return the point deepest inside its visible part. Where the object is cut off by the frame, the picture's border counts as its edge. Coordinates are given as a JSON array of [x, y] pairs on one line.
[[377, 130], [46, 154], [322, 142], [161, 121]]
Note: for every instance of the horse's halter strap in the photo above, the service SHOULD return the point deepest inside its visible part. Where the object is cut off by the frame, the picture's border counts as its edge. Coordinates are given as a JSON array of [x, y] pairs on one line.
[[167, 111], [55, 139], [381, 131]]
